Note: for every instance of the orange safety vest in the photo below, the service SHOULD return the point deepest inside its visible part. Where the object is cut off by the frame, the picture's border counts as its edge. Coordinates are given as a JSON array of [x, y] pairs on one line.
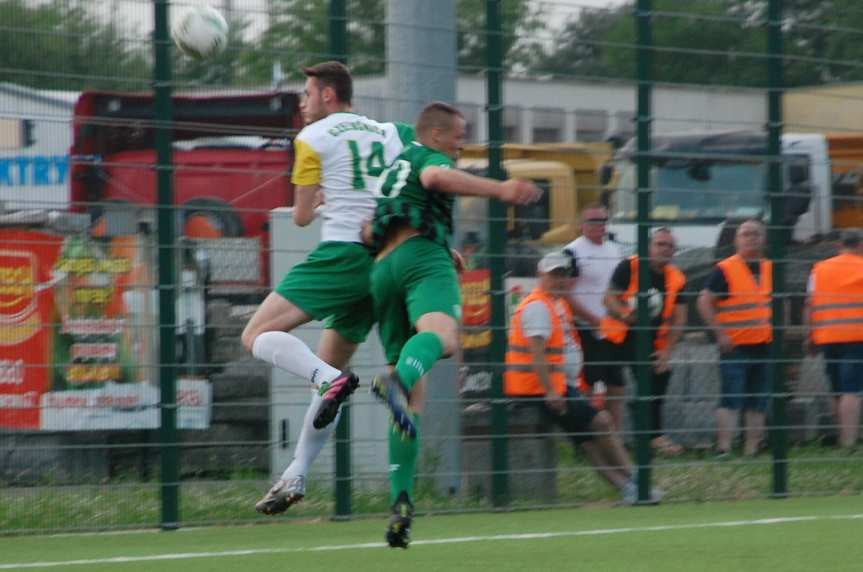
[[837, 300], [745, 314], [615, 331], [520, 377]]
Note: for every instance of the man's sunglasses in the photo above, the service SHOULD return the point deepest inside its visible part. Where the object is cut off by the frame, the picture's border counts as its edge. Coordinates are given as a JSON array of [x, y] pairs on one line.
[[596, 220]]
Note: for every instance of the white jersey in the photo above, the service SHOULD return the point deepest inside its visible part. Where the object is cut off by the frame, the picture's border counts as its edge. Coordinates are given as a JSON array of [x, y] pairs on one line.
[[596, 264], [344, 153]]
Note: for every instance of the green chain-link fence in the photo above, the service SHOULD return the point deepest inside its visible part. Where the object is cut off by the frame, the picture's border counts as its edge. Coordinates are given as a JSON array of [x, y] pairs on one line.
[[142, 225]]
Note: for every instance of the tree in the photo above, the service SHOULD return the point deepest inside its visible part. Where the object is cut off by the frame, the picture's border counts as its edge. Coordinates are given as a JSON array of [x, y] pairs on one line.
[[715, 42], [297, 35], [579, 49], [58, 45], [521, 21]]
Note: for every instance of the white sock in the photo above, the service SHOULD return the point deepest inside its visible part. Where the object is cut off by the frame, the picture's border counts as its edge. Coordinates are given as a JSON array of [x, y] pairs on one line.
[[310, 442], [289, 353]]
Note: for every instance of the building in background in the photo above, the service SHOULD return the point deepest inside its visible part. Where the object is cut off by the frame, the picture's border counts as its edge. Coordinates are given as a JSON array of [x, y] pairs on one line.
[[35, 136], [587, 111]]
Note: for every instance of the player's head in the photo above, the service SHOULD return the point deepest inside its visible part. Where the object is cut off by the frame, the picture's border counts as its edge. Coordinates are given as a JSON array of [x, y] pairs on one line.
[[329, 88], [441, 126]]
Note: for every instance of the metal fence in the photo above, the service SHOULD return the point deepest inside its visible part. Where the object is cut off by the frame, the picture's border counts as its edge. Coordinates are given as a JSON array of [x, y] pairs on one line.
[[143, 223]]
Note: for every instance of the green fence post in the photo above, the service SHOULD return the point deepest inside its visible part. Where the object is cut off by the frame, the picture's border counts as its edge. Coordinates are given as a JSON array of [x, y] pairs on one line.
[[338, 46], [338, 39], [496, 248], [170, 486], [777, 237], [642, 335]]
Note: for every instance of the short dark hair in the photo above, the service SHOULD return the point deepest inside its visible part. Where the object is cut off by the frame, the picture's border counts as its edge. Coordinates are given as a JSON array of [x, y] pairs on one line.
[[851, 238], [335, 75], [590, 207], [437, 115]]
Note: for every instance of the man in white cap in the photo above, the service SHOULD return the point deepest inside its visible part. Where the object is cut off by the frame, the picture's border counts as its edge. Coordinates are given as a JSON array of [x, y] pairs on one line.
[[543, 360]]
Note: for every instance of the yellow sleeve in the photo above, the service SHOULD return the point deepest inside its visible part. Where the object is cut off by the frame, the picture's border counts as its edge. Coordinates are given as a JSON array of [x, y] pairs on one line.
[[307, 164]]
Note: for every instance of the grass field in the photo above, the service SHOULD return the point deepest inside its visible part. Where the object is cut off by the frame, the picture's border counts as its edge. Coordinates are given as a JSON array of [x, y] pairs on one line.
[[803, 534], [694, 477]]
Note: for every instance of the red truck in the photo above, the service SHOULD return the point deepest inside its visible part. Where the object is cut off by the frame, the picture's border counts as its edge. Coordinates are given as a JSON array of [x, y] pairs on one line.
[[232, 160]]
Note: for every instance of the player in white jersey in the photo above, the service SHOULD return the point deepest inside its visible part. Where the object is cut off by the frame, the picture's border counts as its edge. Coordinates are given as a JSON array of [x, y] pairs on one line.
[[338, 156]]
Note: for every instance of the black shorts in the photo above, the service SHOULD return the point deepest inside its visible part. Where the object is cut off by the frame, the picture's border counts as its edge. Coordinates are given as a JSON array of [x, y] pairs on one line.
[[578, 417], [601, 360]]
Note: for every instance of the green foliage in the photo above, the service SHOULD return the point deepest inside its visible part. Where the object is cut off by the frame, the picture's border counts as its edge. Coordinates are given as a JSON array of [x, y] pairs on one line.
[[297, 36], [60, 45], [521, 22], [714, 42], [64, 45]]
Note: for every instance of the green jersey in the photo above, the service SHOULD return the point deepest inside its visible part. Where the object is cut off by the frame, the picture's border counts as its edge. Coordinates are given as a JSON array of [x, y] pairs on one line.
[[403, 200]]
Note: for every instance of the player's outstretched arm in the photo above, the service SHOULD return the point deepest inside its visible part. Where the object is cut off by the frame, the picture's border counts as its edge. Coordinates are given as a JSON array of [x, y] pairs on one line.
[[516, 191]]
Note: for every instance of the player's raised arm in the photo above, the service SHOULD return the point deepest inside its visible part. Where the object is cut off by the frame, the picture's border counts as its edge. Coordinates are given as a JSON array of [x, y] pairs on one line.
[[516, 191]]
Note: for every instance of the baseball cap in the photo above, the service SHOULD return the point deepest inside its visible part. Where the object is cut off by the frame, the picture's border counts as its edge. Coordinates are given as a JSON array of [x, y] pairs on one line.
[[555, 260]]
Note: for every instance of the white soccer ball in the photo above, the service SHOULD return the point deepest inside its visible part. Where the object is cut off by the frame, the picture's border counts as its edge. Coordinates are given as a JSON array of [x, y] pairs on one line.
[[200, 32]]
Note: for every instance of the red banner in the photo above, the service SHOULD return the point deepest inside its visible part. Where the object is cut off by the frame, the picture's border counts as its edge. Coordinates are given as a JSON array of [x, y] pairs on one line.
[[476, 308], [26, 318], [476, 297]]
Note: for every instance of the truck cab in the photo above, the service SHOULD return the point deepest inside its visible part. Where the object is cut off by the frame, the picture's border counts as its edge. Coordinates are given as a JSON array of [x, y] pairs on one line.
[[231, 158], [701, 180], [569, 173]]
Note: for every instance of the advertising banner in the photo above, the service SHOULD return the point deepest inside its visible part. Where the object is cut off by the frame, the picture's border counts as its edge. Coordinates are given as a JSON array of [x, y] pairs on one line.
[[26, 314], [77, 336], [476, 375]]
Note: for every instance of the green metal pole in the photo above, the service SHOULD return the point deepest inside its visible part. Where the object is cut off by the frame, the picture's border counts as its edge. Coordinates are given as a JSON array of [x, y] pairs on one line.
[[777, 238], [496, 249], [642, 335], [339, 30], [167, 271], [344, 480]]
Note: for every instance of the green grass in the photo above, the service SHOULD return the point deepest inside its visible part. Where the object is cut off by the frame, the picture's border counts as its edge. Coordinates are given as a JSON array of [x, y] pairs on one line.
[[626, 539], [693, 477]]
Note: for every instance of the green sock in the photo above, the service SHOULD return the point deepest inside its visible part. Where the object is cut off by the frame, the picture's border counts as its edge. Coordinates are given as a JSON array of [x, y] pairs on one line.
[[403, 461], [418, 355]]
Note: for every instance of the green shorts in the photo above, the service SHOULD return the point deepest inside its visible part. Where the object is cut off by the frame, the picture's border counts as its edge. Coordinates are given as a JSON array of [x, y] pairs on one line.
[[332, 285], [416, 278]]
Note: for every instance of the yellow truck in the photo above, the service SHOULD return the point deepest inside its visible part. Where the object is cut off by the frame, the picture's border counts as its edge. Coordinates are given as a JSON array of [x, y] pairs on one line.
[[570, 175]]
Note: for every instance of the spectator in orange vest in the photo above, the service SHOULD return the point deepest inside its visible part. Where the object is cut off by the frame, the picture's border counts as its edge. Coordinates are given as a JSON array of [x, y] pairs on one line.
[[834, 316], [544, 360], [667, 319], [735, 304]]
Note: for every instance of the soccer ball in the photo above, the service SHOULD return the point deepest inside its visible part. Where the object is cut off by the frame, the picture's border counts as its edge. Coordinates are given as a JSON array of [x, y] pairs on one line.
[[200, 32]]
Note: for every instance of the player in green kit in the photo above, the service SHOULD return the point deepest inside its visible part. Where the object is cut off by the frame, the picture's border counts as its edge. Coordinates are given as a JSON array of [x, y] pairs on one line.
[[414, 283]]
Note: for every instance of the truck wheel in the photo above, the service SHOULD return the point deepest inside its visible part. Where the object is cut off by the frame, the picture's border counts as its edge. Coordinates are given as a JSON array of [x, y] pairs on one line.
[[205, 217]]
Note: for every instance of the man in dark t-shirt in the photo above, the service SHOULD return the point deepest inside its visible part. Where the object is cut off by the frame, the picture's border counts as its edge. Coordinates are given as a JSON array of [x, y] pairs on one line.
[[735, 305], [667, 319]]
